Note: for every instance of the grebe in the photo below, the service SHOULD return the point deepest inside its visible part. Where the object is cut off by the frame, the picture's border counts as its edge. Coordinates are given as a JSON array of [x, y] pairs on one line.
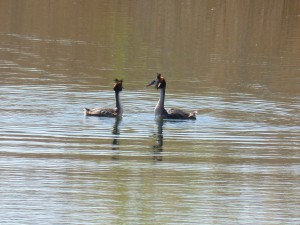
[[160, 112], [109, 112]]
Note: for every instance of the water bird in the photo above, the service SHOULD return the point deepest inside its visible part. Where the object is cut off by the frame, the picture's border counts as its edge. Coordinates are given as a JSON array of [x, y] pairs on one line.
[[160, 111], [109, 112]]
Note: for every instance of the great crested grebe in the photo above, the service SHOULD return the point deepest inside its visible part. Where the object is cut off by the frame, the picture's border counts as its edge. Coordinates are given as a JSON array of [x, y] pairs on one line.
[[160, 112], [109, 112]]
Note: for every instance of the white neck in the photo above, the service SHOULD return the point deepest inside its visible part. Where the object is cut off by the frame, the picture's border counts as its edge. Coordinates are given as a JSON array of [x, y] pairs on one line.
[[160, 106], [118, 103]]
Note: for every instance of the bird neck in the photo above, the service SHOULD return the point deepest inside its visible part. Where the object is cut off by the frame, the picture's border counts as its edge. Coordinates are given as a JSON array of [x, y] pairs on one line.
[[161, 102], [118, 103]]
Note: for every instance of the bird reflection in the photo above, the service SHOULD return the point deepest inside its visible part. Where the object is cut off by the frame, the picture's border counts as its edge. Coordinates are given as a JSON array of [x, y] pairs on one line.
[[116, 140], [158, 137]]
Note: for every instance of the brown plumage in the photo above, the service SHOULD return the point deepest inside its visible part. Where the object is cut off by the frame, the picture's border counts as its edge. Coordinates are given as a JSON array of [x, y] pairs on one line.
[[109, 112], [160, 111]]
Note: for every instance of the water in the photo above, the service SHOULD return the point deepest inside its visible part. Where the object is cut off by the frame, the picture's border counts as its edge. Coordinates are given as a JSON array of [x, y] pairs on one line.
[[238, 163]]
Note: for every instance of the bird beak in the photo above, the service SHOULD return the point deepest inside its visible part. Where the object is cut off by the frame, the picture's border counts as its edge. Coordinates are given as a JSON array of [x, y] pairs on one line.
[[151, 83]]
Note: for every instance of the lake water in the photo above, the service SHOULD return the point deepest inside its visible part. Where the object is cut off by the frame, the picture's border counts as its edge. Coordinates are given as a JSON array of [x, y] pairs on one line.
[[236, 62]]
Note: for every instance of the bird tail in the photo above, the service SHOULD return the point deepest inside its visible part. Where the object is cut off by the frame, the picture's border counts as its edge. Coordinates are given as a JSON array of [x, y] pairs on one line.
[[193, 114]]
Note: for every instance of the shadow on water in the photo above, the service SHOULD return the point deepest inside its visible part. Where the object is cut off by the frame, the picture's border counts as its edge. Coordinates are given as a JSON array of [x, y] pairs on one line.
[[159, 141], [116, 140]]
